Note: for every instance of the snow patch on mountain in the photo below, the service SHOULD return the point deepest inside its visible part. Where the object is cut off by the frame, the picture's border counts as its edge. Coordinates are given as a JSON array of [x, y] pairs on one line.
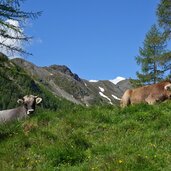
[[115, 97], [117, 80], [93, 81], [101, 89], [85, 84], [101, 94]]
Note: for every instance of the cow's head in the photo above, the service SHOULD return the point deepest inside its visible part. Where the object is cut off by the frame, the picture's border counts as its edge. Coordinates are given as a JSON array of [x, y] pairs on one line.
[[29, 102]]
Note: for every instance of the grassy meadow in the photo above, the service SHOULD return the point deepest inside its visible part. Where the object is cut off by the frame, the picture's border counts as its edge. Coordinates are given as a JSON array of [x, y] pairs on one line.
[[99, 138]]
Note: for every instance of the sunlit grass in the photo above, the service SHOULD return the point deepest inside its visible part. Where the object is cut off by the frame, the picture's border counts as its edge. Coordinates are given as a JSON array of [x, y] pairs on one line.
[[97, 138]]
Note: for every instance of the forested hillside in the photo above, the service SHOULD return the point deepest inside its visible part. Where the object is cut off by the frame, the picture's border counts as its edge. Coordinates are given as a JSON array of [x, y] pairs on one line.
[[16, 83]]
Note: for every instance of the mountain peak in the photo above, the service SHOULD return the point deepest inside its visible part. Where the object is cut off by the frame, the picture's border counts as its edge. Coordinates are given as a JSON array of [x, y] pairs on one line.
[[114, 81], [117, 80], [61, 68]]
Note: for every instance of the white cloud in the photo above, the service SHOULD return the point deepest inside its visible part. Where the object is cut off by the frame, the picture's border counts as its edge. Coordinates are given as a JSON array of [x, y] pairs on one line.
[[13, 22], [11, 42]]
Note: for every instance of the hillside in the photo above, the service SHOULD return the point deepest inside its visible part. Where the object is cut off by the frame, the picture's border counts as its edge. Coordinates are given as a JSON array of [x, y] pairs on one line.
[[61, 81], [54, 84], [64, 136], [16, 83], [108, 138]]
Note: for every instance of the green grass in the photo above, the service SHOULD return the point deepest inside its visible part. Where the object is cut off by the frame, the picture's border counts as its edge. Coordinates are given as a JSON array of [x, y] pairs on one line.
[[137, 138]]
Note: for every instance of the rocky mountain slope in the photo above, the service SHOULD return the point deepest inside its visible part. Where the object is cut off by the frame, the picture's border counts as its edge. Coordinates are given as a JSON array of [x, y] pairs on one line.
[[62, 82], [15, 83]]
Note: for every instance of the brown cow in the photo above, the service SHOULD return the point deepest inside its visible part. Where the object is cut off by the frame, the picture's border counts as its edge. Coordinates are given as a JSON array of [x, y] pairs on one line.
[[147, 94]]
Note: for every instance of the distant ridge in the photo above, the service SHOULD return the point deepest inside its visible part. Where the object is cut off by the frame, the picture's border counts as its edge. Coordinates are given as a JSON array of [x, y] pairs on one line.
[[62, 82]]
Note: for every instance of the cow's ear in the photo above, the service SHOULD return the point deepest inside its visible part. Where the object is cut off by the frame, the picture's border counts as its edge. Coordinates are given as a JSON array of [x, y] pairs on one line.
[[38, 100], [20, 101]]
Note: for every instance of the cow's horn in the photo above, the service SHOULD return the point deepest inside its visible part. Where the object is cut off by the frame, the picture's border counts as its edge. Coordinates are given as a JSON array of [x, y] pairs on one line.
[[167, 87], [20, 101]]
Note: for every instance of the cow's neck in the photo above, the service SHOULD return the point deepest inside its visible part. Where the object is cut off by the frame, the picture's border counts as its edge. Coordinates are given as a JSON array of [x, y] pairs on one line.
[[21, 110]]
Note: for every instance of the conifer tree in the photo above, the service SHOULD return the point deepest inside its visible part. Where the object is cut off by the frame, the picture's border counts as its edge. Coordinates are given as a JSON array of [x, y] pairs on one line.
[[149, 57], [10, 10], [164, 19], [164, 16]]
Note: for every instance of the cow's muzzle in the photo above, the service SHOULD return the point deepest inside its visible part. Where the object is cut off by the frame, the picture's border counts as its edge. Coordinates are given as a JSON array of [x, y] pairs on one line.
[[29, 111]]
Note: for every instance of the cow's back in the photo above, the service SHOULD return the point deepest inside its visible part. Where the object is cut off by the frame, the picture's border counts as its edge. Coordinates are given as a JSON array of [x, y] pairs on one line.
[[140, 94], [12, 114]]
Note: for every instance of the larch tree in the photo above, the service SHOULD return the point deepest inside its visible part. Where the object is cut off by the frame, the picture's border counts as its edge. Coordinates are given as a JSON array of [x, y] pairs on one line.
[[164, 15], [164, 20], [12, 18], [149, 59]]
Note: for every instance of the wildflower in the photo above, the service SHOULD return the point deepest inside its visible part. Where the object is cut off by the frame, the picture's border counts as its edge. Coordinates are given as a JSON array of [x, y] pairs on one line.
[[120, 161]]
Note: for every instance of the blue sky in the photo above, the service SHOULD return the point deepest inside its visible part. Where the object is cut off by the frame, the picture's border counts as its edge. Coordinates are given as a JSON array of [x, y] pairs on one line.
[[97, 39]]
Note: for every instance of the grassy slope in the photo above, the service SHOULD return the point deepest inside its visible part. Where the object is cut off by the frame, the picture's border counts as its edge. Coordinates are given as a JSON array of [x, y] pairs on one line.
[[98, 138]]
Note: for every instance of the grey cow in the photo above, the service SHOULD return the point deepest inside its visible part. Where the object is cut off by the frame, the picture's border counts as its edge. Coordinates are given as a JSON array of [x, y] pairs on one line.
[[28, 106]]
